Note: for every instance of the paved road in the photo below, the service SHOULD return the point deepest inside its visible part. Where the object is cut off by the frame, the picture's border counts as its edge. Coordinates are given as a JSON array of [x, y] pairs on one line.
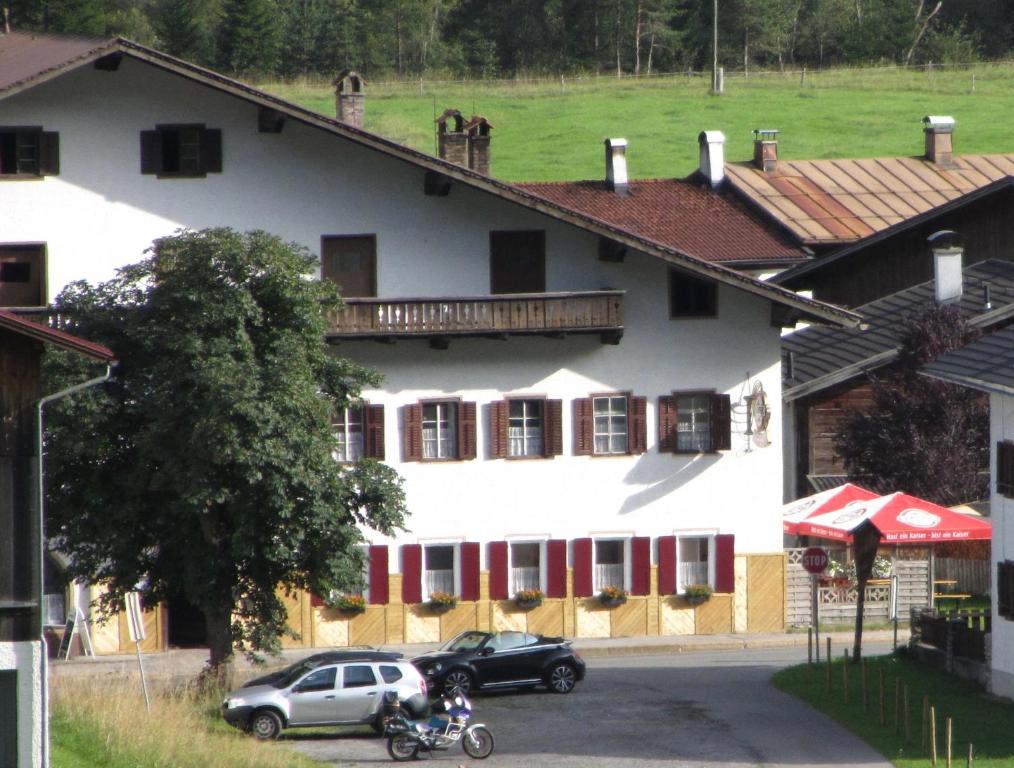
[[711, 709]]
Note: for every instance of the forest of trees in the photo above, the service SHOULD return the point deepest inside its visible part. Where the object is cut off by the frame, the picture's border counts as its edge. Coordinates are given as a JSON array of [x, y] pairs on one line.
[[495, 38]]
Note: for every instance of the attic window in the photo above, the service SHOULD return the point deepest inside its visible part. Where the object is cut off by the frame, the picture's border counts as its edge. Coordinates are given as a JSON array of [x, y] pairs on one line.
[[181, 151], [28, 152], [691, 296]]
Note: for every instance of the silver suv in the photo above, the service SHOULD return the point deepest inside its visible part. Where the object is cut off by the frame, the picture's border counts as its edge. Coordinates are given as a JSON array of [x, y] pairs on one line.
[[334, 688]]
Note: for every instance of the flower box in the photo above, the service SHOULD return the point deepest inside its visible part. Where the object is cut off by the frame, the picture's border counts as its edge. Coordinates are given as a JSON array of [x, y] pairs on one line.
[[528, 598], [695, 594], [351, 604], [611, 597], [441, 602]]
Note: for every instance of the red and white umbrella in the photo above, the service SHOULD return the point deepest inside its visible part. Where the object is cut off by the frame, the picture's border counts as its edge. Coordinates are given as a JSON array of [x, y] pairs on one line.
[[835, 498], [901, 519]]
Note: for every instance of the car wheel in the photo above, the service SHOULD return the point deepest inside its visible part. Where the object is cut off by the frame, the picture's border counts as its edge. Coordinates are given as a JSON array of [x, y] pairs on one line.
[[402, 746], [561, 678], [265, 725], [458, 680]]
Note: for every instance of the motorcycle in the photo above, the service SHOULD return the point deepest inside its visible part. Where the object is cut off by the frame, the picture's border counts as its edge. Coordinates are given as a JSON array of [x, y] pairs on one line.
[[406, 738]]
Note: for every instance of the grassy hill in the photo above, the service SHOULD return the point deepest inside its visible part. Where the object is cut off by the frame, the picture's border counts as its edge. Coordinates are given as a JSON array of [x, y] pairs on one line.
[[554, 131]]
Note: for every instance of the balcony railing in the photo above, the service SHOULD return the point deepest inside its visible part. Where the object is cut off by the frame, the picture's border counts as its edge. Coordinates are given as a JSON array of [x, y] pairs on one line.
[[440, 319]]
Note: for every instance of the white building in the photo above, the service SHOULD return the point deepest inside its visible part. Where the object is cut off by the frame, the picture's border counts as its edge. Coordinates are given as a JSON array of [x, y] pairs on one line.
[[572, 405], [988, 365]]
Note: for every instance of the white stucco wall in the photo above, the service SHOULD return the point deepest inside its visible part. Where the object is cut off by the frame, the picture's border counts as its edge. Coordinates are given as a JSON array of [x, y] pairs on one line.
[[1001, 408], [26, 659], [100, 213]]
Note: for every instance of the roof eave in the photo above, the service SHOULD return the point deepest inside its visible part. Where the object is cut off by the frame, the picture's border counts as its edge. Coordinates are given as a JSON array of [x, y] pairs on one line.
[[968, 381]]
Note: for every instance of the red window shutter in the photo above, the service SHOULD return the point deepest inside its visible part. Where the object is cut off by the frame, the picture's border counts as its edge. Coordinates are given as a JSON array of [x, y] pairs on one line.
[[498, 570], [470, 570], [498, 429], [667, 565], [725, 563], [466, 431], [637, 424], [412, 437], [556, 568], [584, 434], [721, 423], [583, 583], [411, 573], [667, 419], [316, 601], [379, 594], [374, 415], [49, 153], [640, 565], [553, 442]]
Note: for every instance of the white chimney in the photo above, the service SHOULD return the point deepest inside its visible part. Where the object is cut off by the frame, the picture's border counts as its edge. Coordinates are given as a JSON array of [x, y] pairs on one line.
[[616, 165], [712, 144], [948, 250]]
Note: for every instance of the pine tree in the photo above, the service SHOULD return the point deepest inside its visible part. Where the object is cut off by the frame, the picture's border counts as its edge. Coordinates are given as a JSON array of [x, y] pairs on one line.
[[248, 37], [178, 27]]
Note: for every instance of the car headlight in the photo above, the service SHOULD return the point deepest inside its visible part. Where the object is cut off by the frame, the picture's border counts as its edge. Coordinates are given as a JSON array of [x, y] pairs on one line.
[[434, 669], [233, 703]]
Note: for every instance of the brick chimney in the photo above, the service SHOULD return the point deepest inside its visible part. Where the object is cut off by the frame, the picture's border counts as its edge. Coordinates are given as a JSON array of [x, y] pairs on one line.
[[452, 142], [616, 166], [939, 130], [765, 149], [948, 249], [478, 129], [712, 166], [348, 98]]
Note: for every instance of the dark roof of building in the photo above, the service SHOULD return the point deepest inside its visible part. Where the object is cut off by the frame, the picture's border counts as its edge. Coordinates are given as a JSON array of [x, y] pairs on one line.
[[834, 202], [24, 327], [790, 277], [681, 214], [987, 363], [37, 58], [819, 357]]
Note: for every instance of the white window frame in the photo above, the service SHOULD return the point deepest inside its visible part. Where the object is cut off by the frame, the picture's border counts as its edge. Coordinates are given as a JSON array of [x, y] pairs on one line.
[[447, 411], [524, 436], [710, 535], [541, 541], [456, 566], [341, 429], [705, 414], [609, 434], [625, 538]]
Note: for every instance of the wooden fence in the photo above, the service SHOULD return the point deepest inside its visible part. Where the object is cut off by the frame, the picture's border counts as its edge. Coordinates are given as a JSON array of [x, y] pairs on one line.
[[972, 576]]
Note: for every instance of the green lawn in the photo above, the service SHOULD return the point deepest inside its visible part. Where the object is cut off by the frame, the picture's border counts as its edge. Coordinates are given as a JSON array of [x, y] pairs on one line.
[[549, 131], [978, 718]]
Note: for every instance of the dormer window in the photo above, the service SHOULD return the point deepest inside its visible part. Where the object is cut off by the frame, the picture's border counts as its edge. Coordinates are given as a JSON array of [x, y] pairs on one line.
[[181, 151], [28, 153]]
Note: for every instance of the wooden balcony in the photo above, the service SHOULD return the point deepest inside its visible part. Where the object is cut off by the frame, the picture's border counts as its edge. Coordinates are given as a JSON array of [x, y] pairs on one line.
[[441, 319]]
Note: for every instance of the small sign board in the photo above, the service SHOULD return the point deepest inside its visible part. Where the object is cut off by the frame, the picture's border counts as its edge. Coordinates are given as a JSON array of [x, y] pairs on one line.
[[135, 618], [815, 559], [68, 635]]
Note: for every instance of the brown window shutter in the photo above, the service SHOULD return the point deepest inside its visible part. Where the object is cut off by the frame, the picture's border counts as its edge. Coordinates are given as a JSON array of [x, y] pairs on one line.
[[637, 424], [721, 423], [584, 434], [413, 433], [725, 563], [466, 431], [379, 585], [211, 150], [553, 437], [498, 429], [151, 152], [667, 565], [374, 415], [667, 419], [49, 154]]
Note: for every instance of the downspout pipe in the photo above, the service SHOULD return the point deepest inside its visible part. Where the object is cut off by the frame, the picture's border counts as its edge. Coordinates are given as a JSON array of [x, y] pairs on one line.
[[44, 697]]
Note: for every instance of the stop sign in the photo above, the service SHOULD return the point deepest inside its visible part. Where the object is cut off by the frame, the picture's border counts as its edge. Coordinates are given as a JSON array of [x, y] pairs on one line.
[[815, 559]]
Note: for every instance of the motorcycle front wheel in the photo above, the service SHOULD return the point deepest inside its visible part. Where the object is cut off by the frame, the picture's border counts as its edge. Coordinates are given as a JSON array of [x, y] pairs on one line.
[[403, 746], [478, 742]]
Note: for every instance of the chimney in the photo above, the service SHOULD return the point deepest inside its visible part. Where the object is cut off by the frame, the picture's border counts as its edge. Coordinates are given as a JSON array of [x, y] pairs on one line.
[[948, 248], [616, 166], [765, 149], [939, 130], [478, 129], [712, 145], [452, 143], [348, 98]]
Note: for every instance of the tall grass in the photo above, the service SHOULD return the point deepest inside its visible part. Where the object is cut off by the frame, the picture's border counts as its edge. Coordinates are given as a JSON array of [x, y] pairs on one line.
[[104, 722], [553, 129]]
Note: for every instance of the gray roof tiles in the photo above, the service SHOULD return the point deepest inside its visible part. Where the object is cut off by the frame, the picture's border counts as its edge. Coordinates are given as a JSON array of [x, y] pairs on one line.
[[987, 363]]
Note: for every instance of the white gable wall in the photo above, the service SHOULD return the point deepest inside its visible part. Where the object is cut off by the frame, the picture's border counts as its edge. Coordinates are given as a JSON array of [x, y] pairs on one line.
[[1001, 409]]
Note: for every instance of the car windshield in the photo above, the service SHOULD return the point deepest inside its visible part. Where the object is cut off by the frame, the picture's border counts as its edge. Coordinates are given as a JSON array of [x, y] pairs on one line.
[[296, 671], [466, 641]]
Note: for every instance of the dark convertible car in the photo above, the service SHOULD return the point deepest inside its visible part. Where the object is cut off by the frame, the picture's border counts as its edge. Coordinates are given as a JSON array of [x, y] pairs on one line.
[[478, 660]]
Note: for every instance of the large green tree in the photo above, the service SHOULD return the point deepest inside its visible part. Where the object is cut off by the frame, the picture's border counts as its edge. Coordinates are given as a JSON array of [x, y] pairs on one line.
[[205, 467]]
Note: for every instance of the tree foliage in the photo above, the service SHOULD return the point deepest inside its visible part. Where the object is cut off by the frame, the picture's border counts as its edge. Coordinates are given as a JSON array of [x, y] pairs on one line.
[[921, 435], [206, 465]]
